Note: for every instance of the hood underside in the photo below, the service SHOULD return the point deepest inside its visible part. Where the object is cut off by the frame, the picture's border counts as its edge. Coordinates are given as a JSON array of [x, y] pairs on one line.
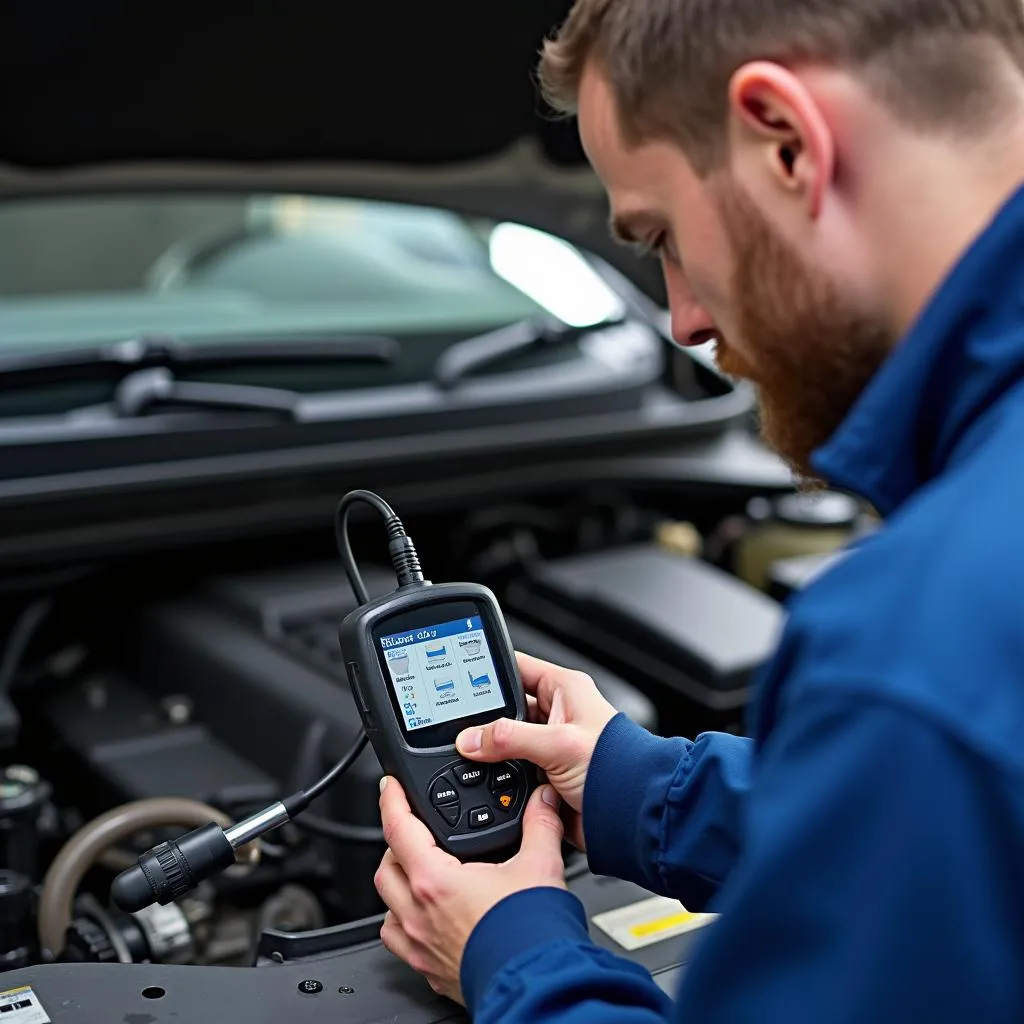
[[409, 84], [424, 103]]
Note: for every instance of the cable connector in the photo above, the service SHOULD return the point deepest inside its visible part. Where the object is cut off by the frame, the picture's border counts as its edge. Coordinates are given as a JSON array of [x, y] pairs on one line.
[[171, 870], [404, 559]]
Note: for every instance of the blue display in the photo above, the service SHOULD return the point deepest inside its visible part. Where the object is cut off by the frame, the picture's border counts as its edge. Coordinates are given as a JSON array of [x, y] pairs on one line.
[[443, 672]]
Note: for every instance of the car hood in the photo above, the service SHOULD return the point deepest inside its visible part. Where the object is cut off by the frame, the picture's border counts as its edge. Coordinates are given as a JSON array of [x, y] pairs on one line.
[[426, 103]]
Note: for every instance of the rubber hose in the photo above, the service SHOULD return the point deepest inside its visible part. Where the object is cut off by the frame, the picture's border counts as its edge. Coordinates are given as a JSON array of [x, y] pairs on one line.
[[81, 851]]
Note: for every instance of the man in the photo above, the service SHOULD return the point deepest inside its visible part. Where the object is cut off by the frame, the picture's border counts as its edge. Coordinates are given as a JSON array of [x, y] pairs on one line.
[[832, 190]]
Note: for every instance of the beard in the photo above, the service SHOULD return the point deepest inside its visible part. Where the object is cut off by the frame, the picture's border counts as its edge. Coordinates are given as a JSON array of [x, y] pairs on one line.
[[814, 350]]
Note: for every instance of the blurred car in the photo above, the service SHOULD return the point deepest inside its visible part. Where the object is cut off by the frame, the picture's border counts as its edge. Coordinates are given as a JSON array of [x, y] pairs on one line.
[[252, 258]]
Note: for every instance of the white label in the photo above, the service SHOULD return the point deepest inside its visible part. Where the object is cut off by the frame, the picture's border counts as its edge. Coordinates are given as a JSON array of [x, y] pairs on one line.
[[21, 1006], [649, 921]]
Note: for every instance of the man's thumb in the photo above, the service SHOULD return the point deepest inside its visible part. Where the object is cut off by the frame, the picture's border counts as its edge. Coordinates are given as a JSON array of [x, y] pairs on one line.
[[507, 739], [543, 830]]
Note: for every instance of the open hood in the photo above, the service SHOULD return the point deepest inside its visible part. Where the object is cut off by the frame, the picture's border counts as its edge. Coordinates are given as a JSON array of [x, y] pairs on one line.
[[425, 103], [409, 84]]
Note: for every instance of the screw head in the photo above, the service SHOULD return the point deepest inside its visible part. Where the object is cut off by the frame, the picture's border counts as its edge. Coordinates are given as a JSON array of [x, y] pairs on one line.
[[346, 990], [310, 987]]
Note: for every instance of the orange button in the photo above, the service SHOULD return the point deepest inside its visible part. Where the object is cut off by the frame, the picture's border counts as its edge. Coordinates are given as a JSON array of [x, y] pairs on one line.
[[505, 800]]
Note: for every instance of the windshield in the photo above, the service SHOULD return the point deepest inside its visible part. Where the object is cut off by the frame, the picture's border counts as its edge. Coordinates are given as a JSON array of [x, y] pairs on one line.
[[90, 270]]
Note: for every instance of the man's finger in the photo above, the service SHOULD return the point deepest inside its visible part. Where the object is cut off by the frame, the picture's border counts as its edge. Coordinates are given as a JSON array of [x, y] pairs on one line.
[[543, 830], [532, 709], [395, 940], [507, 738], [572, 821], [533, 670], [405, 834], [543, 679], [392, 886]]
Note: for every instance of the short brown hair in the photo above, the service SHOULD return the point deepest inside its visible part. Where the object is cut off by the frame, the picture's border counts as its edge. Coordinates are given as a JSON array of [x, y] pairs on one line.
[[669, 62]]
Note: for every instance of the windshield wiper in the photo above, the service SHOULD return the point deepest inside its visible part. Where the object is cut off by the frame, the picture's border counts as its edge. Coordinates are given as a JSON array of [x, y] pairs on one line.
[[118, 360], [144, 390], [466, 357]]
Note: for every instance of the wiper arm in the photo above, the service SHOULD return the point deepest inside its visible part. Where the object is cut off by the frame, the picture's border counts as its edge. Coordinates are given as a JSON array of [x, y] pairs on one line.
[[145, 389], [122, 358], [465, 357]]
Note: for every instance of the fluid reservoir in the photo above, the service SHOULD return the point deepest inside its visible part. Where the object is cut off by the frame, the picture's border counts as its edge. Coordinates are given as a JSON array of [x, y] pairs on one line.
[[804, 523]]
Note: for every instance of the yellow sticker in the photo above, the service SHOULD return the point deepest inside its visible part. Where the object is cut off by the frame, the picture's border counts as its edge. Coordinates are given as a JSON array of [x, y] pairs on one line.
[[663, 924], [649, 921]]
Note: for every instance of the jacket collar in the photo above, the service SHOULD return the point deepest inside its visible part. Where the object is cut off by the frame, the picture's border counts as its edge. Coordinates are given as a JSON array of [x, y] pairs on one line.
[[964, 351]]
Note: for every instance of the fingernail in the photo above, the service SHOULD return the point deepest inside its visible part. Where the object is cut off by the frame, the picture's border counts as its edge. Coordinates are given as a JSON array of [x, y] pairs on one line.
[[549, 796], [471, 741], [383, 782]]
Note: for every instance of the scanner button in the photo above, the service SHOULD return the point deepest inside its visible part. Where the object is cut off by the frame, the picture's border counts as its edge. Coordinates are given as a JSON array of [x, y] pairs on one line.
[[506, 799], [450, 812], [469, 774], [481, 817], [443, 792], [502, 777]]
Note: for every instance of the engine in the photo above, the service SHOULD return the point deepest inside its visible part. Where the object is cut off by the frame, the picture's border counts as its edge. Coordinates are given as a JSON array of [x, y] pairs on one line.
[[209, 688]]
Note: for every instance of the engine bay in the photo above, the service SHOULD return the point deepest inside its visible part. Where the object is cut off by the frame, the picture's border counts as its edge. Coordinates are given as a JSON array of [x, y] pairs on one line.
[[150, 696]]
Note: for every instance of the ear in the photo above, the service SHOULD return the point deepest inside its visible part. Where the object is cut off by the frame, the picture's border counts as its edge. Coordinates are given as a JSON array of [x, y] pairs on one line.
[[779, 114]]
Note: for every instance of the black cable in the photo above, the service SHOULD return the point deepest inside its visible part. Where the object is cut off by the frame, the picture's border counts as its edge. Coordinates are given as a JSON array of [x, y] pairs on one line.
[[307, 764], [404, 559], [348, 559], [339, 769], [171, 869], [406, 564], [341, 831]]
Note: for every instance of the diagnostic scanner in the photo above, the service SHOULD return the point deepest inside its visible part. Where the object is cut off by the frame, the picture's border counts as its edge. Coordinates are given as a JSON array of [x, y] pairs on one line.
[[424, 663]]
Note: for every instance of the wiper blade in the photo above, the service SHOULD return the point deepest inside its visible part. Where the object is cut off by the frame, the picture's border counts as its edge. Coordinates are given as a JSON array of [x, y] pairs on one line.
[[144, 390], [119, 359], [472, 354]]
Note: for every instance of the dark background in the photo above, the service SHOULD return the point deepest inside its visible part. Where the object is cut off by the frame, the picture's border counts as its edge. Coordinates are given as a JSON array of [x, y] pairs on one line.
[[424, 83]]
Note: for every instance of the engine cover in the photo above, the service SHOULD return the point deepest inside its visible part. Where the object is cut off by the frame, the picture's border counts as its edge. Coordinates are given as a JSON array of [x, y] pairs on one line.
[[239, 692]]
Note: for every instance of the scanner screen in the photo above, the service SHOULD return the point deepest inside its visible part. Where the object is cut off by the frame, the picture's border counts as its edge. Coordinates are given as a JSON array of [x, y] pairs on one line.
[[443, 672]]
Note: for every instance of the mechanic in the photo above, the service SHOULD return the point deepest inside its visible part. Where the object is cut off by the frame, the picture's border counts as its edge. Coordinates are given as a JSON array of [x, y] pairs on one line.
[[834, 193]]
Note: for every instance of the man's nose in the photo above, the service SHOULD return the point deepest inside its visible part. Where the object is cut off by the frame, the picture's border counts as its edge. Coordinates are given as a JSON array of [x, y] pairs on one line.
[[691, 322]]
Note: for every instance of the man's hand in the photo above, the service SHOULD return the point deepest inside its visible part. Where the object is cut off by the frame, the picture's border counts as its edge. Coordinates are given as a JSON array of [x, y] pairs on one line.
[[568, 716], [434, 901]]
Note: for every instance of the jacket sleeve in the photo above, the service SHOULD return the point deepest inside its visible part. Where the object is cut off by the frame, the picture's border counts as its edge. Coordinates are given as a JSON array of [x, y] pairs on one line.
[[873, 882], [872, 886], [530, 961], [666, 813], [661, 812]]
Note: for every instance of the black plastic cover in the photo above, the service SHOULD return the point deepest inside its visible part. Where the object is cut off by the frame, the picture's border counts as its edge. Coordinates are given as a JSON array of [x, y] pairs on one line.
[[301, 608], [680, 623], [362, 984]]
